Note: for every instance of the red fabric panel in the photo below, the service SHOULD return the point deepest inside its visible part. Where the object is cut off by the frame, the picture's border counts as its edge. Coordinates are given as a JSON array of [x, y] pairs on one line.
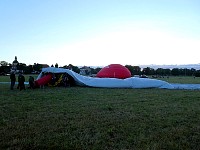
[[114, 71], [44, 80]]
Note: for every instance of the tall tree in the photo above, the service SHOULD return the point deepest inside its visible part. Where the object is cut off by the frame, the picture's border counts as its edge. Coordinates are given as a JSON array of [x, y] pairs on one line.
[[175, 72], [3, 63], [135, 70], [130, 68], [37, 67], [148, 71], [4, 67], [74, 68]]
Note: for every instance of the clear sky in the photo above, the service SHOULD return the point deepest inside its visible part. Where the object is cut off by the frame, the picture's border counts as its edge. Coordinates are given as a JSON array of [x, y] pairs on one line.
[[100, 32]]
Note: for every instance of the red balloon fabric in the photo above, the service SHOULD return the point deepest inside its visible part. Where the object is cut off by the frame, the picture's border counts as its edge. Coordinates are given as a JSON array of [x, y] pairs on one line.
[[44, 80], [114, 71]]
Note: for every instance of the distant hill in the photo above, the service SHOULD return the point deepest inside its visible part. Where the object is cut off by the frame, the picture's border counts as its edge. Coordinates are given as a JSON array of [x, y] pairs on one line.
[[188, 66]]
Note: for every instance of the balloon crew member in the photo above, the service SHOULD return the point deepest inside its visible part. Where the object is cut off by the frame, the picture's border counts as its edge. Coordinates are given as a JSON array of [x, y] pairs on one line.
[[12, 80], [66, 81], [31, 82], [21, 80]]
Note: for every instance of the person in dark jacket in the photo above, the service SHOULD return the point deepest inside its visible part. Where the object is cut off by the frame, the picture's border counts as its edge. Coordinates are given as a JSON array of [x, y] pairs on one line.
[[31, 82], [12, 80], [21, 80], [65, 80]]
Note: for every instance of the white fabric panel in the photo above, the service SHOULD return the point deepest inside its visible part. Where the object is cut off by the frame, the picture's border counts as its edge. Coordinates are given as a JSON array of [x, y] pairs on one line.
[[132, 82]]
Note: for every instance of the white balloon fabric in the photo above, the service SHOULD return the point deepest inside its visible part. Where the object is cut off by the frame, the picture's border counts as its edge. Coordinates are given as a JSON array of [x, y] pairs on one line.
[[132, 82]]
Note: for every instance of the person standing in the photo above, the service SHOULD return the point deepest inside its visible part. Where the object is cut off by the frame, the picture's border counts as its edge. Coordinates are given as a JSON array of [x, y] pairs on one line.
[[65, 80], [31, 82], [12, 79], [21, 80]]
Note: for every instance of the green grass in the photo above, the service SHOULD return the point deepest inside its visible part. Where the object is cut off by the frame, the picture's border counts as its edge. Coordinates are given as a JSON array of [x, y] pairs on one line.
[[182, 79], [99, 118], [7, 78]]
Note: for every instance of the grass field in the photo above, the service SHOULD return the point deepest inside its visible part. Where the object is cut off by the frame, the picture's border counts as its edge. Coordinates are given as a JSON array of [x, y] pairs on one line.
[[182, 79], [100, 118], [7, 78]]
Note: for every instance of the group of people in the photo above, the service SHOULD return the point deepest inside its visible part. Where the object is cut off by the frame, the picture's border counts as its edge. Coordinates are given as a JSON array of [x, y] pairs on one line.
[[66, 81], [21, 80]]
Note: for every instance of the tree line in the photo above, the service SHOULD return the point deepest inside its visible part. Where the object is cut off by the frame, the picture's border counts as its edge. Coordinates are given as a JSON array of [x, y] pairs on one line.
[[136, 70], [5, 68]]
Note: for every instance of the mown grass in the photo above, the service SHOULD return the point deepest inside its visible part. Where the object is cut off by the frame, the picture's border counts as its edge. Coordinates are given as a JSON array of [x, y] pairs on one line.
[[7, 78], [99, 118], [182, 79]]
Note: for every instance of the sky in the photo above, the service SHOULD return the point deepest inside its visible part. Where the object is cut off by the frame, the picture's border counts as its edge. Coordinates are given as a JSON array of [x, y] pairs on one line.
[[100, 32]]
